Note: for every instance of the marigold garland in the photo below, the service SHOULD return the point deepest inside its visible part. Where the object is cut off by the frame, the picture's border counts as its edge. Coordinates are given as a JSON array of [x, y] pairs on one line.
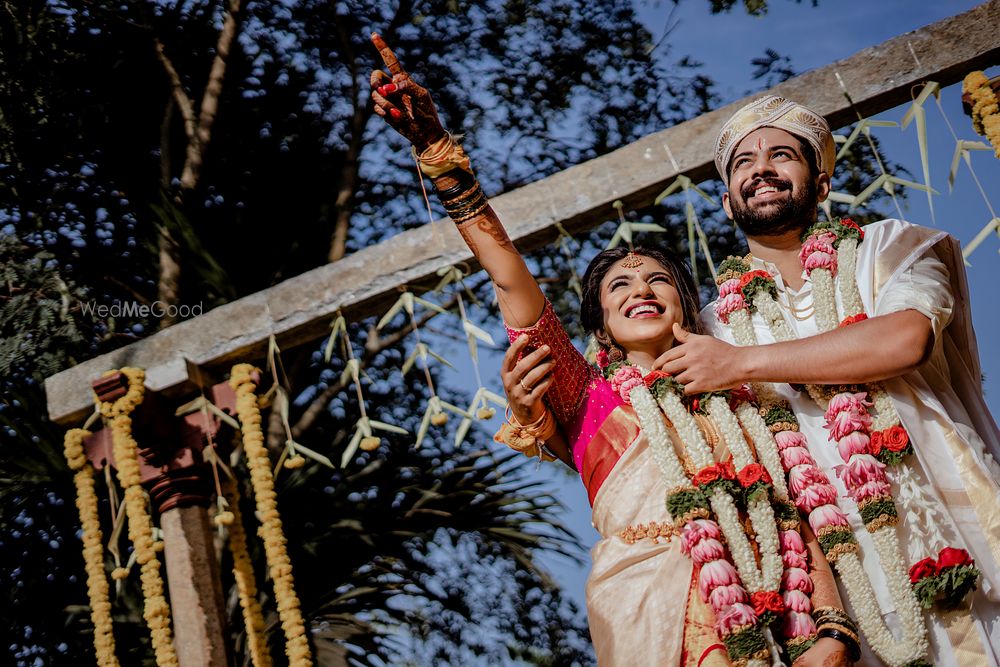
[[985, 108], [93, 548], [246, 583], [279, 565], [156, 610]]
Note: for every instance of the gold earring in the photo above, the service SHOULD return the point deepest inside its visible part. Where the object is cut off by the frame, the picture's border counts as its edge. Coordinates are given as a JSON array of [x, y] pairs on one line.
[[615, 354]]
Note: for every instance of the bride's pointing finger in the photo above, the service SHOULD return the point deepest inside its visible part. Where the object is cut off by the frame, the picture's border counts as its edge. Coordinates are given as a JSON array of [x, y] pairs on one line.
[[388, 57]]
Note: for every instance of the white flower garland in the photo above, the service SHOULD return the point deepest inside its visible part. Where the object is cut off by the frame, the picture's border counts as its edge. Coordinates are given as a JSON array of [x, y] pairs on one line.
[[656, 433], [862, 596], [775, 319], [913, 643], [718, 410], [767, 449], [736, 538], [850, 295], [824, 299], [885, 412], [751, 578], [742, 326], [687, 428]]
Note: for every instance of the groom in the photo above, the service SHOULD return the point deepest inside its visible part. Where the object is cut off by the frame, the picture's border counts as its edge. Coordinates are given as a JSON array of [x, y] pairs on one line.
[[776, 157]]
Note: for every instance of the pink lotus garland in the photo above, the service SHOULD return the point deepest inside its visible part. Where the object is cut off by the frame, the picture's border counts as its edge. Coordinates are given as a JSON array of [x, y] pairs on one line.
[[730, 299], [863, 475], [719, 585], [811, 491], [810, 488], [818, 252], [625, 379]]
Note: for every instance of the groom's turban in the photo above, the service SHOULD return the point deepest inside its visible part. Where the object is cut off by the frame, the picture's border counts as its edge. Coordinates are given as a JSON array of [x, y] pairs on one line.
[[773, 111]]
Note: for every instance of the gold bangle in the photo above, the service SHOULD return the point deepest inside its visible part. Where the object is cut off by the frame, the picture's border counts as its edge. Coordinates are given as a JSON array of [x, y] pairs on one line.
[[469, 216]]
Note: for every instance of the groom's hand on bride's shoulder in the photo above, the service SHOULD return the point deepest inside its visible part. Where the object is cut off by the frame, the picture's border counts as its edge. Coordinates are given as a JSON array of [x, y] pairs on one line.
[[702, 363]]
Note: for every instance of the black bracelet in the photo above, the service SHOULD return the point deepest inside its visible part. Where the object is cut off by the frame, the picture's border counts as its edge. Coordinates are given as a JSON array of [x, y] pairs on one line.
[[853, 648], [465, 199], [464, 179]]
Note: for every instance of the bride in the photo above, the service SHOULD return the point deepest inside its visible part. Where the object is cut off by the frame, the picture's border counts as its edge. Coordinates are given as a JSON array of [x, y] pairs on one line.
[[722, 572]]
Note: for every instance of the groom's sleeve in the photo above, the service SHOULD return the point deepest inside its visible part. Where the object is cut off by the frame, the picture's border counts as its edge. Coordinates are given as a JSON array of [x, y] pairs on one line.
[[924, 287]]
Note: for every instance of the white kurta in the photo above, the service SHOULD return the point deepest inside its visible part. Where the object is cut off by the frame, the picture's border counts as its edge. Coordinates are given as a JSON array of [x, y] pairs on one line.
[[902, 266]]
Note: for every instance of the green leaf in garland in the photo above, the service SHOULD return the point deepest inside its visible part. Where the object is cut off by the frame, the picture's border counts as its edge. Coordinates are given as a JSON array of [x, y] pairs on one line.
[[744, 643], [776, 414], [731, 267], [828, 541], [759, 284], [681, 502]]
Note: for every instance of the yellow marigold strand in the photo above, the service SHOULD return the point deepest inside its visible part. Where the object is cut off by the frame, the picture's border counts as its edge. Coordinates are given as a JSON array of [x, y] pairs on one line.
[[985, 108], [246, 584], [93, 548], [279, 565], [156, 611]]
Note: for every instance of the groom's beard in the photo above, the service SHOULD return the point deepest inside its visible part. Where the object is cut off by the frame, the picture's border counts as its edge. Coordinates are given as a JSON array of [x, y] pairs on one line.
[[795, 213]]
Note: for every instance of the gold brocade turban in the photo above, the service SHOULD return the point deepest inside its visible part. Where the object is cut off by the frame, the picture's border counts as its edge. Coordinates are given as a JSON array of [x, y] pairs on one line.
[[774, 111]]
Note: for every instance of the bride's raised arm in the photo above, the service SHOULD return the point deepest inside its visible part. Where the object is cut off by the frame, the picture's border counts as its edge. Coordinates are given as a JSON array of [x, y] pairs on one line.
[[407, 107]]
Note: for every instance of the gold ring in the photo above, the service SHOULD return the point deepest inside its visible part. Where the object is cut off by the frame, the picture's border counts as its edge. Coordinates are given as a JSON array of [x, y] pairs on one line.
[[523, 386]]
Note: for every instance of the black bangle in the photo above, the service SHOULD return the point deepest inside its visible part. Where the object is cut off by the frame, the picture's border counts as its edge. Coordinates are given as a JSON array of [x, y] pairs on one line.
[[853, 648], [465, 199], [464, 179]]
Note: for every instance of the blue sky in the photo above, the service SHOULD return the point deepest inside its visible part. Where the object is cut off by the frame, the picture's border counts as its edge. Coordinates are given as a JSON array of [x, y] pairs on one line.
[[813, 37]]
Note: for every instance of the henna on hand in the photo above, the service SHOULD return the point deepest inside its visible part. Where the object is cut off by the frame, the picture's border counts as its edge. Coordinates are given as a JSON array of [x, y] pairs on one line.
[[405, 105], [486, 224]]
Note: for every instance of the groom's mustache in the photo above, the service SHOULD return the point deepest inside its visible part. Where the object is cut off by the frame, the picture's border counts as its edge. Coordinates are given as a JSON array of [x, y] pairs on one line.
[[779, 183]]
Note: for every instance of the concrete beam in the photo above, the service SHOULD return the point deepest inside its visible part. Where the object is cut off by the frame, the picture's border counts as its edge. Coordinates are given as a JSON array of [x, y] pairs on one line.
[[299, 309]]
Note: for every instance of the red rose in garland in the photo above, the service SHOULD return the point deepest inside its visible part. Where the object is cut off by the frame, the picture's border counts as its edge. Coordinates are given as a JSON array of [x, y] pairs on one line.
[[895, 438], [952, 557], [853, 319], [767, 601], [847, 222], [653, 376], [922, 568], [750, 275], [706, 475], [714, 473], [875, 443], [751, 474]]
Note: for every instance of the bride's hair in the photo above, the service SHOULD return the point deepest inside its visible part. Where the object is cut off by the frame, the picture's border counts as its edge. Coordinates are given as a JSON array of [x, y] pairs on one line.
[[591, 314]]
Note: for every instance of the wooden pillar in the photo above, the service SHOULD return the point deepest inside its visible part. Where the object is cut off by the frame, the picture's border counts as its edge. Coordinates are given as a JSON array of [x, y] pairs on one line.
[[182, 497], [195, 592], [181, 490]]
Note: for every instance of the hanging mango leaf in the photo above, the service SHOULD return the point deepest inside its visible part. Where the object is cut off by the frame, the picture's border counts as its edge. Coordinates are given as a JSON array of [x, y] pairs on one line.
[[917, 113], [338, 326], [992, 226], [479, 408], [405, 300], [864, 126], [962, 152], [684, 183]]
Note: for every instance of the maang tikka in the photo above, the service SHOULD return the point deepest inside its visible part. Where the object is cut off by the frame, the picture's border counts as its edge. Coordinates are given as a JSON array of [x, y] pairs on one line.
[[631, 261]]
